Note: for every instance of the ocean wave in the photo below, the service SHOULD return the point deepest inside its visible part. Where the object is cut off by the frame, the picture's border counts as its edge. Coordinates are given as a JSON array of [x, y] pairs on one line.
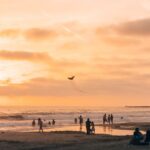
[[12, 117]]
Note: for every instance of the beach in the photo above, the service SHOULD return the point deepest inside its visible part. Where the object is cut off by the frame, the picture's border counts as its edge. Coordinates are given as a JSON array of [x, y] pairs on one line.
[[70, 140], [17, 132]]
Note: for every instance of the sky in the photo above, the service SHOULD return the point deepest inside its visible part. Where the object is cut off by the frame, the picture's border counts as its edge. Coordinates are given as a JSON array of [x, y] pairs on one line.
[[104, 43]]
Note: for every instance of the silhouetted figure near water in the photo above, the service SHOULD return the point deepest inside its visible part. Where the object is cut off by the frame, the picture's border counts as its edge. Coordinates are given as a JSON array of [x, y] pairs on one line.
[[109, 119], [49, 123], [112, 118], [53, 122], [88, 126], [39, 119], [104, 119], [80, 122], [92, 127], [33, 123], [75, 120], [40, 123]]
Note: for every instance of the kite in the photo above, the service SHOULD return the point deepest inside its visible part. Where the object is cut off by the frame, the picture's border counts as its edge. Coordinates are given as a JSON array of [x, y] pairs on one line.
[[71, 78]]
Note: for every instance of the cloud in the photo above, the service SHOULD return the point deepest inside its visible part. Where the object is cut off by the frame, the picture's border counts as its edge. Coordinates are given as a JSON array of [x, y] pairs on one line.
[[138, 27], [10, 33], [40, 34], [22, 55], [129, 33], [33, 34], [121, 41], [41, 87], [46, 87]]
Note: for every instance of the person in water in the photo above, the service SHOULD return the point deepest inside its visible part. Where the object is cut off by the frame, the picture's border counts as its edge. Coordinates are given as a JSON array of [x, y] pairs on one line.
[[104, 119], [33, 123], [53, 122], [49, 123], [109, 119], [80, 121], [40, 125], [112, 118], [88, 126], [92, 127]]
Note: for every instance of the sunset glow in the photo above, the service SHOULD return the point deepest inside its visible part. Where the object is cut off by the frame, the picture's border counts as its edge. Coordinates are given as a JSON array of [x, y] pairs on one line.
[[106, 47]]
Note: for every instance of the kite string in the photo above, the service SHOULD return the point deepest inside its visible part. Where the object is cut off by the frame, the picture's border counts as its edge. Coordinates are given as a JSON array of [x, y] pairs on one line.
[[76, 87]]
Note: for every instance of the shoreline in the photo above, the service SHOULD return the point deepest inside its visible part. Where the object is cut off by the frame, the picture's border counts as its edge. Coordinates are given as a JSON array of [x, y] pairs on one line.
[[69, 140]]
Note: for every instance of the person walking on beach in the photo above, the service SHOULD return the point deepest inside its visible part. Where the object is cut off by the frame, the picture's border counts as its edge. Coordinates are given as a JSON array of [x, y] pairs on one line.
[[112, 118], [40, 125], [80, 121], [104, 119], [88, 126]]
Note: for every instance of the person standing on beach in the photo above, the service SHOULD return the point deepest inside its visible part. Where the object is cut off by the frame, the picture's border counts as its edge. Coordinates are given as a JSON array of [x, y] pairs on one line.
[[112, 118], [109, 119], [104, 119], [40, 125], [80, 121], [33, 123], [53, 122], [88, 126], [49, 123]]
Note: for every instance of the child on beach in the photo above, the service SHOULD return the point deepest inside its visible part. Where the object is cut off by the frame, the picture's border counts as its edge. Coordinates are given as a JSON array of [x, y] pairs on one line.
[[92, 127], [33, 123]]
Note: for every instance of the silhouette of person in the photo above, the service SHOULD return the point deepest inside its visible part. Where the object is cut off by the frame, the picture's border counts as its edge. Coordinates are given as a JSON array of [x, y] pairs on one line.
[[88, 126], [33, 123], [80, 121], [104, 118], [137, 137], [109, 119], [49, 123], [53, 122], [112, 118], [40, 125], [75, 120], [39, 119], [92, 127]]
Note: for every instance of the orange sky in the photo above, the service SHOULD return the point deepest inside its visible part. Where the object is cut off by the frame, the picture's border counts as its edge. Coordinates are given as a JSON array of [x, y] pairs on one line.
[[104, 43]]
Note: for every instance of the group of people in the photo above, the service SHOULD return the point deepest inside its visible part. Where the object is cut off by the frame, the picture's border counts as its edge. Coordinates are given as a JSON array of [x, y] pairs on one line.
[[40, 123], [108, 119], [90, 127], [138, 138]]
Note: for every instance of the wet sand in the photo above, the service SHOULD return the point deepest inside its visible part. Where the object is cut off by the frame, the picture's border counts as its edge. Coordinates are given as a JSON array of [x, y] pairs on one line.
[[68, 140]]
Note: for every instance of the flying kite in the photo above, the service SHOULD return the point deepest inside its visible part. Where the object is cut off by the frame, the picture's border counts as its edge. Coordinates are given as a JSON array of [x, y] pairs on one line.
[[71, 78], [74, 85]]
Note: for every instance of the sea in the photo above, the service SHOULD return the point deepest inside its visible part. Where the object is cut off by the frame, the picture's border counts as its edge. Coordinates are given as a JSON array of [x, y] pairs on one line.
[[20, 118]]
